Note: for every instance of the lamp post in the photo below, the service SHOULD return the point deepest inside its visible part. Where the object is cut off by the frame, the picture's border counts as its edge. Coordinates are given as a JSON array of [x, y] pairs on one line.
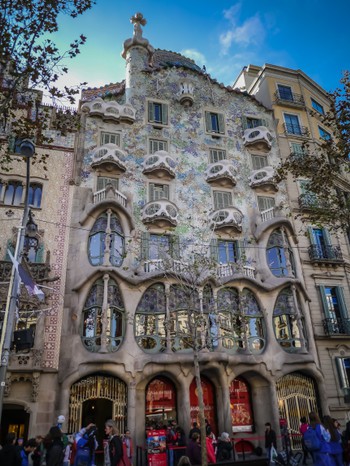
[[26, 148]]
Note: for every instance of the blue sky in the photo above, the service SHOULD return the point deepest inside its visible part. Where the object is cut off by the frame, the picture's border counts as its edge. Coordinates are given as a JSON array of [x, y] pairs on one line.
[[313, 35]]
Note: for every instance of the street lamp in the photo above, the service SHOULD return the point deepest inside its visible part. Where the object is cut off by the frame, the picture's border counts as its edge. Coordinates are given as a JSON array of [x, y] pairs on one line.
[[26, 148]]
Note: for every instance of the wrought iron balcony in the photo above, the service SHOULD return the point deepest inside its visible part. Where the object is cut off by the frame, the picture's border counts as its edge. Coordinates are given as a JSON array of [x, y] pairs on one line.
[[308, 201], [336, 326], [296, 130], [325, 253], [289, 99]]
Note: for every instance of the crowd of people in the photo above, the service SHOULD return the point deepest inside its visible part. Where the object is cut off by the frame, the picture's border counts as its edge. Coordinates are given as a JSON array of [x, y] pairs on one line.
[[60, 449]]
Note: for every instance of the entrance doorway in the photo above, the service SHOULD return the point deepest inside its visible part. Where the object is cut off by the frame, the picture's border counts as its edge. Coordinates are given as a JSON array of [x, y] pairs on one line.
[[95, 399], [97, 411], [209, 403], [14, 419]]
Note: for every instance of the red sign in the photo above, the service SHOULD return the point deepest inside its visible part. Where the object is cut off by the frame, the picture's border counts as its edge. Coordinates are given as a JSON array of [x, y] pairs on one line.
[[156, 447], [241, 412]]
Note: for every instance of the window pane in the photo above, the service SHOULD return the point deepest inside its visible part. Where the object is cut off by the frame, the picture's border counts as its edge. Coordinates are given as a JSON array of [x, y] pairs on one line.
[[157, 144], [292, 124], [285, 92], [215, 155], [96, 248], [259, 161], [317, 106]]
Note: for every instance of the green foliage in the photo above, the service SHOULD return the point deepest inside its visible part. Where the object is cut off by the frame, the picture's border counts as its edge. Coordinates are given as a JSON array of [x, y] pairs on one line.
[[326, 166]]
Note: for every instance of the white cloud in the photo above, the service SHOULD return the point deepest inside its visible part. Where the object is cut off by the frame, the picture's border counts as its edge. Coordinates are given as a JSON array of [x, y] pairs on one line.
[[250, 32], [198, 57]]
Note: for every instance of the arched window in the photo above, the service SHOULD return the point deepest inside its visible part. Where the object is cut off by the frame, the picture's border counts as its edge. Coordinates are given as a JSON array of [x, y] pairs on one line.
[[288, 322], [241, 321], [241, 407], [106, 234], [103, 328], [34, 195], [160, 402], [279, 254], [150, 318]]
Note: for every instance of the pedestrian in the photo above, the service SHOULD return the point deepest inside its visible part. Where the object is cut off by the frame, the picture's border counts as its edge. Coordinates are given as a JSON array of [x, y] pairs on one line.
[[224, 448], [10, 454], [27, 449], [54, 447], [346, 444], [335, 445], [302, 429], [211, 458], [115, 444], [193, 450], [184, 461], [270, 439], [38, 455], [180, 437], [86, 445], [208, 428], [320, 456], [194, 429], [129, 449]]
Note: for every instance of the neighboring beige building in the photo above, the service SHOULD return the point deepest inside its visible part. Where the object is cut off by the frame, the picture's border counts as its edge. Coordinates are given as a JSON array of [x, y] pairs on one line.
[[298, 104], [167, 163]]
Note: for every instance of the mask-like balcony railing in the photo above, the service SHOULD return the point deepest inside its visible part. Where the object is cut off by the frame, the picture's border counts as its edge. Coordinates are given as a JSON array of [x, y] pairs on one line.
[[336, 326], [227, 217], [230, 269], [326, 253], [221, 173], [110, 111], [109, 156], [109, 193], [263, 177], [289, 99], [161, 212], [296, 130], [258, 137], [159, 164], [159, 265]]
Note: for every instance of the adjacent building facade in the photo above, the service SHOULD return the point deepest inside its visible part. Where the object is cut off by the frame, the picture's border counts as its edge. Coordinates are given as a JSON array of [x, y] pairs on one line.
[[169, 163]]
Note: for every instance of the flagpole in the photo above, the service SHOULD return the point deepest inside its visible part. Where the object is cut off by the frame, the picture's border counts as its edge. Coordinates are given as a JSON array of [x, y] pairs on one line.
[[26, 149]]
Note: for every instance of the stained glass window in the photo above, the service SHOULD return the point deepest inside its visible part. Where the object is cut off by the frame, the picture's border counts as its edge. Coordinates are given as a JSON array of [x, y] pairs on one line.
[[99, 239], [279, 254]]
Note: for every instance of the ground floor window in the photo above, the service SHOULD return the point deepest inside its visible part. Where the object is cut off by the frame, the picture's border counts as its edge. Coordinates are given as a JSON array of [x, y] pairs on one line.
[[160, 402], [209, 403], [240, 404]]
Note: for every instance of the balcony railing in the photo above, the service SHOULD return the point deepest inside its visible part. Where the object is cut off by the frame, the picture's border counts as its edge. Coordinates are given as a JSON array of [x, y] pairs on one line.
[[309, 201], [336, 326], [296, 130], [267, 214], [326, 253], [227, 270], [156, 265], [289, 98], [101, 195]]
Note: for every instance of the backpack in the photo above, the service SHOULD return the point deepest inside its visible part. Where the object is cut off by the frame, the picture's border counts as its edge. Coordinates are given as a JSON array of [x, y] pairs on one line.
[[82, 442], [312, 440]]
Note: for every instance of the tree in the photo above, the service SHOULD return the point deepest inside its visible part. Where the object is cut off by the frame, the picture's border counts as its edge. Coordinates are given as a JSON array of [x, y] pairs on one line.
[[325, 164], [197, 321], [30, 60]]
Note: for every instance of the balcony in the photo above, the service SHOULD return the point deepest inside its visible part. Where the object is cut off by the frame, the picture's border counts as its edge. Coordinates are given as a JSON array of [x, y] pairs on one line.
[[109, 194], [161, 212], [326, 253], [259, 138], [221, 174], [336, 326], [289, 99], [228, 270], [160, 164], [110, 157], [110, 111], [296, 130], [160, 265], [186, 93], [263, 178], [227, 219]]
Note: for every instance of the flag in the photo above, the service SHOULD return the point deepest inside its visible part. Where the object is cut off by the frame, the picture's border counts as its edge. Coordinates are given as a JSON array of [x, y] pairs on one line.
[[27, 279]]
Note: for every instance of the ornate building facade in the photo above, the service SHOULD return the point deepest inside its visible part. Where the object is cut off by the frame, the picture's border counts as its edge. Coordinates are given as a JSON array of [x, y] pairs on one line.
[[167, 163]]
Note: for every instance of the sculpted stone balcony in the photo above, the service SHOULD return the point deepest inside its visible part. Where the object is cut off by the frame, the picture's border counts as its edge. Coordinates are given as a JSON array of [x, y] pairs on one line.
[[110, 111], [260, 138], [222, 174], [160, 164], [161, 212], [186, 97], [110, 157], [227, 219], [109, 193], [263, 178], [231, 269]]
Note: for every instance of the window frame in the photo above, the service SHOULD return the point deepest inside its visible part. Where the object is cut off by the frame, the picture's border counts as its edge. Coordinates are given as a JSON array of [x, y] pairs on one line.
[[153, 141], [325, 135], [104, 134], [292, 125], [284, 97], [251, 122], [214, 154], [218, 205], [152, 190], [260, 165], [317, 106], [153, 108], [214, 123]]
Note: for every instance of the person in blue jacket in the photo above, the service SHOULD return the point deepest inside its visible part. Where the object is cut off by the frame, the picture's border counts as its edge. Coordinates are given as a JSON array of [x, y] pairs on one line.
[[28, 447], [335, 443], [321, 457]]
